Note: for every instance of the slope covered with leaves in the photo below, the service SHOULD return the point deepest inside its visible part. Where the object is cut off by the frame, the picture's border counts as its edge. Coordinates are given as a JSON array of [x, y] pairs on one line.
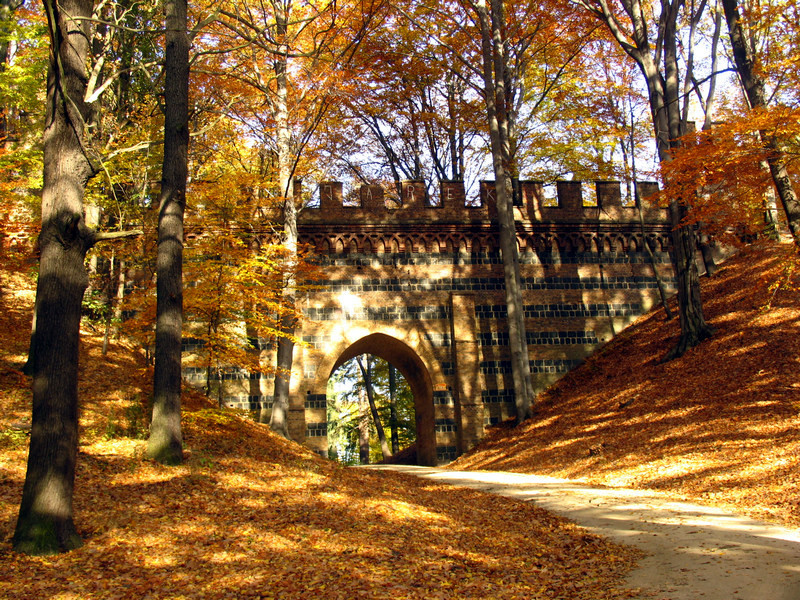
[[250, 515], [719, 424]]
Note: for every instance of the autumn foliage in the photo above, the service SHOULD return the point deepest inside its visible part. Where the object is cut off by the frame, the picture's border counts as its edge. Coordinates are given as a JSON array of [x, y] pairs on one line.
[[723, 175], [718, 425], [251, 515]]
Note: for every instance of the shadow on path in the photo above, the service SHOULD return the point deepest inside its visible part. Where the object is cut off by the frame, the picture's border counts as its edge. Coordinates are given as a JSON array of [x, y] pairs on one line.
[[693, 552]]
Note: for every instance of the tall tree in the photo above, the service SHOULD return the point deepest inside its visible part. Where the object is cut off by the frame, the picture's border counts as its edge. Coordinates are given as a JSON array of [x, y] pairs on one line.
[[165, 443], [45, 524], [653, 46], [393, 420], [304, 43], [495, 78], [7, 8], [744, 54], [365, 366], [495, 51]]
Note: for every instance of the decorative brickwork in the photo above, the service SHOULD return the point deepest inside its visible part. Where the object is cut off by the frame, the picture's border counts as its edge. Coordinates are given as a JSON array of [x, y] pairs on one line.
[[418, 281]]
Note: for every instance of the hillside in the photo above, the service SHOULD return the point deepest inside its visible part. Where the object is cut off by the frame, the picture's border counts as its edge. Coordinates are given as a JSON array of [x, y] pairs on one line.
[[720, 425], [250, 515]]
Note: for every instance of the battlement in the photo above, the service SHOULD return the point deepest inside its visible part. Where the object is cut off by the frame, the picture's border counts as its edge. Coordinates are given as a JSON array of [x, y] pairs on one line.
[[572, 202]]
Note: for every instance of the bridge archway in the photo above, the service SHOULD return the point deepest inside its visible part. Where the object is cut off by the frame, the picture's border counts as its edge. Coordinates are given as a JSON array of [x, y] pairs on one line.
[[408, 362], [427, 293]]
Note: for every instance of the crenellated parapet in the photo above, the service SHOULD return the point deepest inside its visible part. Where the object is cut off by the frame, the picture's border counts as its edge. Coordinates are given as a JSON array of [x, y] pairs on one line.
[[573, 202], [576, 218]]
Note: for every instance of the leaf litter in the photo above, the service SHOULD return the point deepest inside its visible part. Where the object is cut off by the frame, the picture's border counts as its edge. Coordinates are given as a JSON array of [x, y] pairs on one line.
[[720, 425], [251, 515]]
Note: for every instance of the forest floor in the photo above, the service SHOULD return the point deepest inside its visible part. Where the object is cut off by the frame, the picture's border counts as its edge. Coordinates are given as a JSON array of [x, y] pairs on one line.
[[250, 515], [692, 552], [719, 426]]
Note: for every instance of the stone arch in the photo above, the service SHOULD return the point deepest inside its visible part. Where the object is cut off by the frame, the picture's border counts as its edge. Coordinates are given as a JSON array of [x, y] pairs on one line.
[[323, 246], [408, 362]]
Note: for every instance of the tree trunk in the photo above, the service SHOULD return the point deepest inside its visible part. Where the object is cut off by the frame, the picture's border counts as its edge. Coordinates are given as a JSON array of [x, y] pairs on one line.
[[367, 375], [694, 328], [45, 523], [363, 429], [166, 440], [109, 316], [7, 8], [753, 85], [279, 416], [494, 95], [663, 95], [393, 409]]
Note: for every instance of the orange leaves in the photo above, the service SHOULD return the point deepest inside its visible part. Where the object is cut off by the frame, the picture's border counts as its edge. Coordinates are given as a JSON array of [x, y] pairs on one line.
[[252, 515], [719, 424], [722, 172]]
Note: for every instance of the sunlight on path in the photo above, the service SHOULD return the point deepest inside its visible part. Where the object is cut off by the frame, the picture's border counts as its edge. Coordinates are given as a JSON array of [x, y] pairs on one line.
[[694, 552]]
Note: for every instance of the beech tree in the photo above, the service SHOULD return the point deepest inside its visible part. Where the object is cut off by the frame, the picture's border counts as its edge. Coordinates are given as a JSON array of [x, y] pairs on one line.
[[495, 78], [650, 39], [496, 51], [45, 523], [305, 45], [365, 366], [165, 443]]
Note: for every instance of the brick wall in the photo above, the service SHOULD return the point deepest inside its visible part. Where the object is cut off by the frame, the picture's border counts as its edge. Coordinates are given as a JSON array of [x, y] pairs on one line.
[[420, 283]]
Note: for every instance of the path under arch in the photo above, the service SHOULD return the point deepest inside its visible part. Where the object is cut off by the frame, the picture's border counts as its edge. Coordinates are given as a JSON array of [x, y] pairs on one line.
[[693, 552], [411, 366]]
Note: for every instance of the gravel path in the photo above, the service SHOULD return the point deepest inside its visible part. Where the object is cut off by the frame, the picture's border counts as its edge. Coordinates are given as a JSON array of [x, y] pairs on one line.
[[693, 552]]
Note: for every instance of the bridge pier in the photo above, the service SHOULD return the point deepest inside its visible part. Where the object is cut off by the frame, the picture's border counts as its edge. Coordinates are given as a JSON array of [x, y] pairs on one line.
[[466, 358]]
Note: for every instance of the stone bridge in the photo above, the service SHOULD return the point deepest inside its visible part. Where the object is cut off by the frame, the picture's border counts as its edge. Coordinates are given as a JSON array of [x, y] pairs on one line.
[[419, 283]]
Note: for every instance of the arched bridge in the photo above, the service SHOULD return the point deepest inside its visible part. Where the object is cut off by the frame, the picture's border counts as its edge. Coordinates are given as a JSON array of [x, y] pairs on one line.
[[420, 284]]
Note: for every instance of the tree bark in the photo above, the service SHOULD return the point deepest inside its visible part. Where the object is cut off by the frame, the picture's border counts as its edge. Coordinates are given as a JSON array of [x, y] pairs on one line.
[[754, 88], [494, 66], [373, 408], [393, 409], [165, 443], [45, 523], [279, 415]]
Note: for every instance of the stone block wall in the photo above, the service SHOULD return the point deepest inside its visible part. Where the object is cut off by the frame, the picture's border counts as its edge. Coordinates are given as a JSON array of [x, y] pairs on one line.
[[421, 284]]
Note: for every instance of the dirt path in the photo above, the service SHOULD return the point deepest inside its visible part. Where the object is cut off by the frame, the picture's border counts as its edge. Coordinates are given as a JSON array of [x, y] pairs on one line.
[[693, 552]]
